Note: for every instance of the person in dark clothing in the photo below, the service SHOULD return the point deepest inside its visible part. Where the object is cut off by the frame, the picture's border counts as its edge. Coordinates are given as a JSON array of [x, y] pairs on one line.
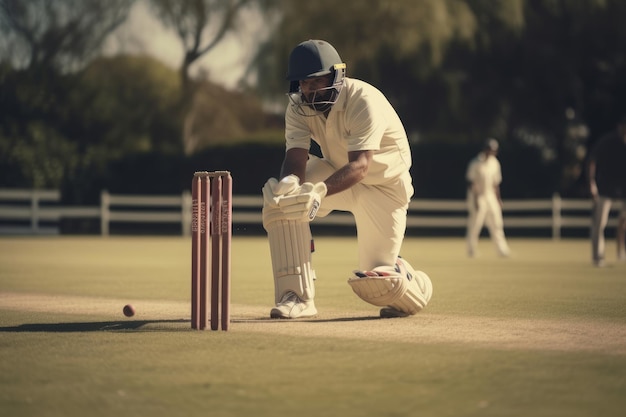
[[607, 183]]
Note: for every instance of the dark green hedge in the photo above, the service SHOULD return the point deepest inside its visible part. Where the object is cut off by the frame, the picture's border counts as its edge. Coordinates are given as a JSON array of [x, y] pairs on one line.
[[438, 172]]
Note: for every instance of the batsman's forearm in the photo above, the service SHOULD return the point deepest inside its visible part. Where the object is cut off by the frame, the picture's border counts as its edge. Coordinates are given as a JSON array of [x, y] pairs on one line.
[[344, 178], [295, 163], [351, 173]]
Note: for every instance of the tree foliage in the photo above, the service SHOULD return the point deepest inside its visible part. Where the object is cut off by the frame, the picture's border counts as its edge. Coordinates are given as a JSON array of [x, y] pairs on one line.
[[59, 33], [199, 24], [537, 74], [365, 31], [58, 126], [533, 72], [33, 147], [139, 94]]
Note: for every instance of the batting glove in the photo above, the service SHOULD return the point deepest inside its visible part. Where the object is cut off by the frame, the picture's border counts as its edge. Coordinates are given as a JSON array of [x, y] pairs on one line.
[[274, 189], [304, 205]]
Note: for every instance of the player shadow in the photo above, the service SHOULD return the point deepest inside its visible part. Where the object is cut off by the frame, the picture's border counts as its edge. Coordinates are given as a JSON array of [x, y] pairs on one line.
[[96, 326], [306, 320], [156, 325]]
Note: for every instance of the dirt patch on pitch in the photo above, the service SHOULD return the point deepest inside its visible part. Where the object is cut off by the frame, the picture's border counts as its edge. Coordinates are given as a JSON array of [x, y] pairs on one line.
[[424, 328]]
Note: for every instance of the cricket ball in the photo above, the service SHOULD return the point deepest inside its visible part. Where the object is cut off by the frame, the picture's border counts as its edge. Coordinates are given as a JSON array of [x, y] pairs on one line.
[[129, 310]]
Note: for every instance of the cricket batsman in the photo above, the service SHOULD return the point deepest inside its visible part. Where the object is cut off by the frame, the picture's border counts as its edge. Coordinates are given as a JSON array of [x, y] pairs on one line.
[[364, 170]]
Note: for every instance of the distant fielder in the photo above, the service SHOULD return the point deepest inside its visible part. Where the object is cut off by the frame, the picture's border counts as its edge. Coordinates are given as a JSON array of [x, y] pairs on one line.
[[364, 170], [607, 183], [484, 204]]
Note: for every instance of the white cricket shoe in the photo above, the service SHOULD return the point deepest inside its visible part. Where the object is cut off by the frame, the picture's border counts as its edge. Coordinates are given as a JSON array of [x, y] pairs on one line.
[[292, 307]]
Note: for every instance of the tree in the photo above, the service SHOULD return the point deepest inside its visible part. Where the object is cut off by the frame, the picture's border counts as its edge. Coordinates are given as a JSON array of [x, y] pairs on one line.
[[533, 73], [68, 127], [125, 104], [555, 81], [61, 34], [388, 43], [34, 151], [200, 25]]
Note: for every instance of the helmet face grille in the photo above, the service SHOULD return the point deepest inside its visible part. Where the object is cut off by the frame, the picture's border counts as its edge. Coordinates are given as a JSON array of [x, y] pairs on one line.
[[322, 100]]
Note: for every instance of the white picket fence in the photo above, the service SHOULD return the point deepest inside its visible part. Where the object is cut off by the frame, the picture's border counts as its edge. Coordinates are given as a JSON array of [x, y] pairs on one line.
[[39, 212]]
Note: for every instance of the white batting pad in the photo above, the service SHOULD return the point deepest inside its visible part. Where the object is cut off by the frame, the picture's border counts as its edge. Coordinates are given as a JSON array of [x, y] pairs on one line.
[[290, 248], [404, 289]]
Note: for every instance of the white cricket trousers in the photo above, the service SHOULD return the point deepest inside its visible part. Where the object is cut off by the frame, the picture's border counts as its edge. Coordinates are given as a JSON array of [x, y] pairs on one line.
[[379, 212], [485, 210]]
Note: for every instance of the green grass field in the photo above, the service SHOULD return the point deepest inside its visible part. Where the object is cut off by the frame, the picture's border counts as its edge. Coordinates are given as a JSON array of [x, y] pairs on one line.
[[541, 334]]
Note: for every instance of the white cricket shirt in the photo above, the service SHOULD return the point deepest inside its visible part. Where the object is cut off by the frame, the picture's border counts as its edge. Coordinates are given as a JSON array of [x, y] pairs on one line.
[[361, 119], [484, 173]]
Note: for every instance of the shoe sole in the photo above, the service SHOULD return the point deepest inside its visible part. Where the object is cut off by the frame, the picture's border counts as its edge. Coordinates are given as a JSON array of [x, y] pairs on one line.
[[277, 314], [392, 313]]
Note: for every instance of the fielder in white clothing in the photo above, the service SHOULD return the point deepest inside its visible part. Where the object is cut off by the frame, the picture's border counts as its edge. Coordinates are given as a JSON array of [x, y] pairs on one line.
[[484, 204], [364, 170]]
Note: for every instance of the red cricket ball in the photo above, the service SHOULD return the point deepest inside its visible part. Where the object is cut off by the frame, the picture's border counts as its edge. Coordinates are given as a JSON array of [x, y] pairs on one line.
[[129, 310]]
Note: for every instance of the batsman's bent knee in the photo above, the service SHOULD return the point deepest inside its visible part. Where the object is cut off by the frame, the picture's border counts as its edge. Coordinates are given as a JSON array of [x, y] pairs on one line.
[[405, 290]]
